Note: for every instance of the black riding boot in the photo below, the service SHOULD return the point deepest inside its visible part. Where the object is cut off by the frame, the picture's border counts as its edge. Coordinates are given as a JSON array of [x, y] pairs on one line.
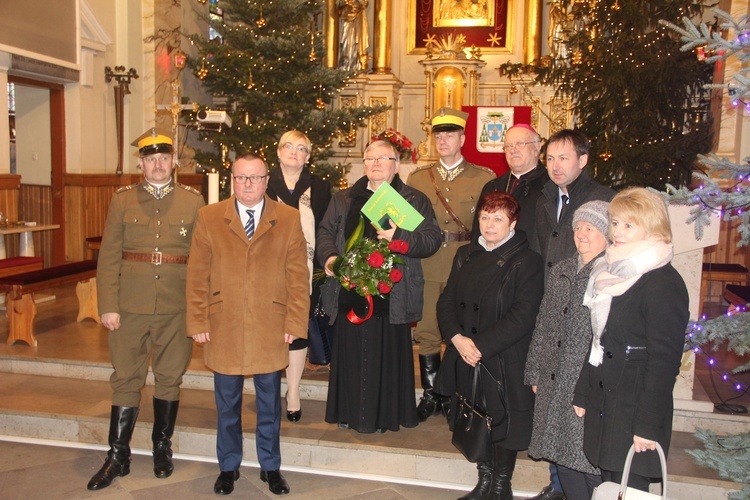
[[165, 415], [484, 483], [503, 464], [430, 404], [121, 425]]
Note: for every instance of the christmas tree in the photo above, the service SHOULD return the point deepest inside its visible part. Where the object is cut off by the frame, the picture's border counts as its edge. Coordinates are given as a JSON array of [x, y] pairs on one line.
[[723, 187], [640, 101], [266, 67]]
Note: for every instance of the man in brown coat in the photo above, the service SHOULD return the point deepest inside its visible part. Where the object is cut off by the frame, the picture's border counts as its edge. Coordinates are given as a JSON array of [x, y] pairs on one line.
[[141, 292], [248, 299], [453, 186]]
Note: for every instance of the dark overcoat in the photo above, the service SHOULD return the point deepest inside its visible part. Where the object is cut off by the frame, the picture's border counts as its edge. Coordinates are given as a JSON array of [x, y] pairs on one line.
[[556, 237], [559, 348], [493, 297], [630, 393]]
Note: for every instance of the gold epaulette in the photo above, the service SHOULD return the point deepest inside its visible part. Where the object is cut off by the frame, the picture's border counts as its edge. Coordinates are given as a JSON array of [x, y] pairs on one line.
[[125, 188], [488, 169], [189, 189], [423, 167]]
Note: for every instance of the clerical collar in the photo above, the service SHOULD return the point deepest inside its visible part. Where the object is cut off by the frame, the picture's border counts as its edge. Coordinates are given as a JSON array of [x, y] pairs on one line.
[[158, 192]]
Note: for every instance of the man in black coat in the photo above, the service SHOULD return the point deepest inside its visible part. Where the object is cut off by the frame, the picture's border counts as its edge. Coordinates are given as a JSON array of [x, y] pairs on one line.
[[568, 188], [525, 179]]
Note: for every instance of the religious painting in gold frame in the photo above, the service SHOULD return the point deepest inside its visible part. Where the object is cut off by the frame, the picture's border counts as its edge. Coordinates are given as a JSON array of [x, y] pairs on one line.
[[492, 33], [463, 13]]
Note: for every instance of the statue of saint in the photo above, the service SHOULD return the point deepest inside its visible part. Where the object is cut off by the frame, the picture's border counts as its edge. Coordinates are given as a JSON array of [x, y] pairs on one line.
[[353, 40]]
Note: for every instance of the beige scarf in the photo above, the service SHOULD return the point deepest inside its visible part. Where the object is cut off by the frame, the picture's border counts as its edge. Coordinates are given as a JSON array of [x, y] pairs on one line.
[[612, 275]]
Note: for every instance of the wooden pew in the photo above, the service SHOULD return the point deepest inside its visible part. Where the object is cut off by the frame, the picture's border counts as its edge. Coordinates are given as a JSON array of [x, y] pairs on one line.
[[17, 265], [20, 307]]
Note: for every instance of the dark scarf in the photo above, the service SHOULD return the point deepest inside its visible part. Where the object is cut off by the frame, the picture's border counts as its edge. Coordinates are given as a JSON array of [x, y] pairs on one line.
[[277, 186]]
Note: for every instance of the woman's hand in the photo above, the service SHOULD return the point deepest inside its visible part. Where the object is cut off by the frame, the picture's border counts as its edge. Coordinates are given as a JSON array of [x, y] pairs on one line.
[[642, 444], [534, 388], [329, 265], [467, 349], [580, 412]]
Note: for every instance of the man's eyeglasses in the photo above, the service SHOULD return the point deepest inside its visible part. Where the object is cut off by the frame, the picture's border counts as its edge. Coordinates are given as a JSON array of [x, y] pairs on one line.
[[291, 147], [254, 179], [518, 145], [379, 159]]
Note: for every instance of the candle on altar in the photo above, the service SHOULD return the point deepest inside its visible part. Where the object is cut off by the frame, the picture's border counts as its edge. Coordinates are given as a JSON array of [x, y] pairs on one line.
[[213, 187]]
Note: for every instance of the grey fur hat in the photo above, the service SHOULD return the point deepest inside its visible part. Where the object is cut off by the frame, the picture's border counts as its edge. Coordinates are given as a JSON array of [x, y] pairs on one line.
[[595, 213]]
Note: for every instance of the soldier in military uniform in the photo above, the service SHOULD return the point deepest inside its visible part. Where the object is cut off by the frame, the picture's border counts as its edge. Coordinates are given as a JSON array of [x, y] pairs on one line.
[[141, 290], [453, 186]]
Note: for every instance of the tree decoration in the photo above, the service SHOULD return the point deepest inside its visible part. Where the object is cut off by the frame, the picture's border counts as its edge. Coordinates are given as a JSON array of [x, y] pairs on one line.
[[264, 79], [202, 72], [312, 55], [260, 22]]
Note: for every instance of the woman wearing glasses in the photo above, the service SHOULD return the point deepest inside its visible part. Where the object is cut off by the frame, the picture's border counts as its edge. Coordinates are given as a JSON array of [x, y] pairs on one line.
[[371, 387], [294, 185]]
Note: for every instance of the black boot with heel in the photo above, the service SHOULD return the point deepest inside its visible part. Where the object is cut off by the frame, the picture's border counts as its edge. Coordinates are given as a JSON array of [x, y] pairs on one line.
[[165, 415], [121, 424]]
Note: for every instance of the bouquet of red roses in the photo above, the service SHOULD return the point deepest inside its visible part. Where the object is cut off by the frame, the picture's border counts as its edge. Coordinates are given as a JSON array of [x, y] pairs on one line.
[[369, 268]]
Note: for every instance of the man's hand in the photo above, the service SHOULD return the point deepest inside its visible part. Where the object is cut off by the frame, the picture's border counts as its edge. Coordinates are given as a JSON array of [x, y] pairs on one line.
[[289, 338], [202, 338], [111, 321], [580, 412], [387, 234]]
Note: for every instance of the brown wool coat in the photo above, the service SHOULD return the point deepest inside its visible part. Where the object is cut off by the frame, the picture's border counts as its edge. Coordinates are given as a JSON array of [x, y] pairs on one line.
[[247, 293]]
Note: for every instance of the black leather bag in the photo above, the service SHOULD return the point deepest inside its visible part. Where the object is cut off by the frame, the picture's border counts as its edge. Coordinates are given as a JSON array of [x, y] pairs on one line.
[[472, 428]]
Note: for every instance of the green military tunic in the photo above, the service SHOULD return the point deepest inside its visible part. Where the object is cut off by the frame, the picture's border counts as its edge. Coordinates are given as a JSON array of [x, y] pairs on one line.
[[150, 298], [461, 188]]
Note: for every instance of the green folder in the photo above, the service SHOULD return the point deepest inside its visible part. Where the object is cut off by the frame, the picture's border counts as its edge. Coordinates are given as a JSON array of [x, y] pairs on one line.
[[385, 204]]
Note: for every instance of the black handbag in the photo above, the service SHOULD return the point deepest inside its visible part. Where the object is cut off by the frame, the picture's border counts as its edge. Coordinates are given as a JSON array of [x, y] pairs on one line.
[[472, 428]]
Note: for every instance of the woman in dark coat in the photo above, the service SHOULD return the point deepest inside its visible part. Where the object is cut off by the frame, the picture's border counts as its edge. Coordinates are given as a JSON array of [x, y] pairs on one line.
[[559, 348], [294, 185], [371, 386], [486, 313], [639, 312]]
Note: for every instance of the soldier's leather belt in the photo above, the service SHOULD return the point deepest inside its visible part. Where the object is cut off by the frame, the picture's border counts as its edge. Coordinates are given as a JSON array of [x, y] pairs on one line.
[[156, 258], [456, 235]]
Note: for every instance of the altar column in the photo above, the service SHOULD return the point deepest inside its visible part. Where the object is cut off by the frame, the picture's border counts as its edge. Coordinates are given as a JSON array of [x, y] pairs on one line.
[[381, 52]]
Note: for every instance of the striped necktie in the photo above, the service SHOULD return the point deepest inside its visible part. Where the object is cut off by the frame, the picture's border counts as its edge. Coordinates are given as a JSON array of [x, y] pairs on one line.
[[250, 226]]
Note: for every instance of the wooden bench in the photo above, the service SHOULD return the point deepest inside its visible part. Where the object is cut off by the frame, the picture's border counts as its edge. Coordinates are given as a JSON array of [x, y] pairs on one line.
[[93, 245], [17, 265], [20, 306]]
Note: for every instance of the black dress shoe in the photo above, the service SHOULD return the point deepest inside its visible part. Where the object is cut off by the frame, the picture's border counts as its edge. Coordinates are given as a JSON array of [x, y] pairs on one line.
[[224, 484], [294, 416], [276, 482], [549, 493]]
